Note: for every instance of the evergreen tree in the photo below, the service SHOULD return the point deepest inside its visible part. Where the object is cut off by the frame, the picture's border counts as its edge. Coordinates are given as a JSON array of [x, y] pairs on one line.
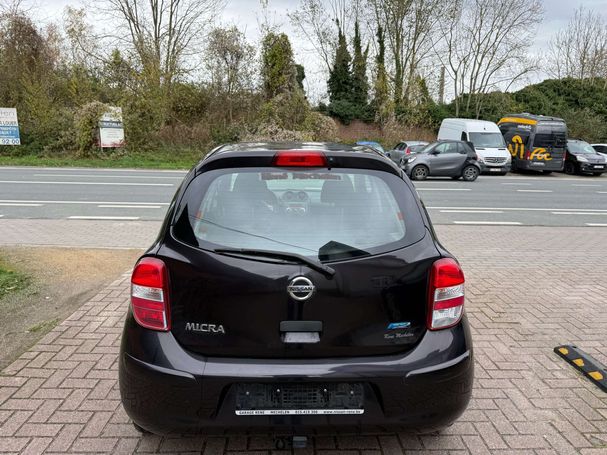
[[340, 77], [278, 70], [360, 86]]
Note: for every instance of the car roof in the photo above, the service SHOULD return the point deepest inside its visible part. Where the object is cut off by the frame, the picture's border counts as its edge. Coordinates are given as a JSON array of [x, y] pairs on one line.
[[528, 116], [251, 150]]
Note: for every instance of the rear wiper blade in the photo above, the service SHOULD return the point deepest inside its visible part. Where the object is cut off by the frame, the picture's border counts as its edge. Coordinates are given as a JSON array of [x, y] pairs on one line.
[[315, 265]]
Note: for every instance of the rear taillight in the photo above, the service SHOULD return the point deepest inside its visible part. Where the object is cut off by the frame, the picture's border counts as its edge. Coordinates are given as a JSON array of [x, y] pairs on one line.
[[300, 158], [150, 293], [408, 151], [445, 294]]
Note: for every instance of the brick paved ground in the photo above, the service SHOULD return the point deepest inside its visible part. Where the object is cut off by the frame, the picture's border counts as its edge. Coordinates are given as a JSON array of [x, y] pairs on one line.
[[528, 288], [78, 233]]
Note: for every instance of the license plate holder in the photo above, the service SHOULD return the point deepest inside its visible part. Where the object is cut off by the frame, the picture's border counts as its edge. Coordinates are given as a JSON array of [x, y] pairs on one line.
[[600, 166], [299, 399]]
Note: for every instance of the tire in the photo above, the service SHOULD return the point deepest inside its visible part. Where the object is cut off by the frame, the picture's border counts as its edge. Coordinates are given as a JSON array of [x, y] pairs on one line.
[[569, 168], [470, 173], [419, 172], [140, 429], [546, 172]]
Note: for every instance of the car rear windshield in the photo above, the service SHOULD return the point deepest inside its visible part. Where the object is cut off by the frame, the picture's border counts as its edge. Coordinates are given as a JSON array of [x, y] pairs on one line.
[[492, 140], [327, 214]]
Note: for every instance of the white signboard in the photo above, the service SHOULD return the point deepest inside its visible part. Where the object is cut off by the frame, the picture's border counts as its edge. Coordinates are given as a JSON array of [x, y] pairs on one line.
[[111, 130], [9, 126]]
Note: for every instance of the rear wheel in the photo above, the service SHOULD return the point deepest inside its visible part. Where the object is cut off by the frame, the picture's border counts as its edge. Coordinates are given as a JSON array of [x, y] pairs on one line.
[[470, 173], [569, 168], [419, 172], [140, 429]]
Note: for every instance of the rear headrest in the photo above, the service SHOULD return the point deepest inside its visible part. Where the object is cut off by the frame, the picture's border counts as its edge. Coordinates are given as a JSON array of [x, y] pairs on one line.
[[337, 191], [249, 182]]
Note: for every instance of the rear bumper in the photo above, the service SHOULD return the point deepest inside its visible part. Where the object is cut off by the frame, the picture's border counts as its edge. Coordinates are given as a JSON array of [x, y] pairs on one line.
[[527, 165], [166, 389]]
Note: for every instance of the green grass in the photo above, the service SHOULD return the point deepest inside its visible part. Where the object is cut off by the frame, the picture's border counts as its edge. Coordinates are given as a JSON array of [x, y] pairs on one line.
[[44, 326], [10, 280], [160, 159]]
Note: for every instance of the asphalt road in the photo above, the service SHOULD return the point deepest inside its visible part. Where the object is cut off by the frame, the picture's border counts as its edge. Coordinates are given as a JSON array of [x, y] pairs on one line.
[[122, 194]]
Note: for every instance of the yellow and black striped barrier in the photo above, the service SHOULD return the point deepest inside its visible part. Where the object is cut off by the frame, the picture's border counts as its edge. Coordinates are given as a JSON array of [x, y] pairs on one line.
[[591, 368]]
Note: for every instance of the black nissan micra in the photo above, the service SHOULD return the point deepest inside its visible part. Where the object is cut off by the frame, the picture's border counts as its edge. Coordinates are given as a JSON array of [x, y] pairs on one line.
[[295, 285]]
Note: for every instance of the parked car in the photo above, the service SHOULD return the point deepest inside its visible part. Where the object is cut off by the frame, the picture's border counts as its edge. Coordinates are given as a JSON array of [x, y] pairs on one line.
[[404, 148], [376, 145], [295, 285], [582, 158], [600, 148], [487, 139], [453, 159]]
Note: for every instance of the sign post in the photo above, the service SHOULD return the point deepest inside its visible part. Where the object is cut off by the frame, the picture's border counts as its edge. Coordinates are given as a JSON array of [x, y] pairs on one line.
[[9, 126], [111, 130]]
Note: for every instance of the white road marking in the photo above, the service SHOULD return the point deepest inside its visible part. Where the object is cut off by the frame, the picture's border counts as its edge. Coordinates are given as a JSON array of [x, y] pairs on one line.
[[150, 177], [88, 169], [14, 204], [122, 218], [41, 182], [597, 224], [517, 209], [128, 206], [581, 184], [471, 211], [1, 216], [443, 189], [579, 213], [85, 202], [496, 223], [534, 191], [528, 184], [601, 192]]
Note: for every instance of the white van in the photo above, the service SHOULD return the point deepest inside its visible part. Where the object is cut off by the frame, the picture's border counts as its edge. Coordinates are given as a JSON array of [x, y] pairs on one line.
[[493, 156]]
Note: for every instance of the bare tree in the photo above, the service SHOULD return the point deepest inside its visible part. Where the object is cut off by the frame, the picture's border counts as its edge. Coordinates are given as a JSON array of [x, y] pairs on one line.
[[316, 21], [580, 50], [485, 46], [164, 35]]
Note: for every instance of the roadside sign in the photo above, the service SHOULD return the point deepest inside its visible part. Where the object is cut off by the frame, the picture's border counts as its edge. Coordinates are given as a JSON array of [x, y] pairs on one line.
[[111, 130], [9, 126]]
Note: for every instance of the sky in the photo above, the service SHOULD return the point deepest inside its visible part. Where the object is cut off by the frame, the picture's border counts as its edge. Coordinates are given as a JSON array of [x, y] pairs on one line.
[[246, 15]]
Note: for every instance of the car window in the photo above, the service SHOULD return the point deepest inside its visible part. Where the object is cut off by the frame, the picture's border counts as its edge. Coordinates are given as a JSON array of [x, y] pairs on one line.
[[461, 148], [464, 136], [299, 212], [580, 147], [401, 146], [451, 147], [441, 148]]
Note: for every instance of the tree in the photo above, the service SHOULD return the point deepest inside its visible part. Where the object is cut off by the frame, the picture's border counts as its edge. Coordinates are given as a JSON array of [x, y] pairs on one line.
[[314, 20], [580, 50], [381, 95], [278, 71], [360, 85], [230, 63], [485, 47], [163, 35], [340, 78]]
